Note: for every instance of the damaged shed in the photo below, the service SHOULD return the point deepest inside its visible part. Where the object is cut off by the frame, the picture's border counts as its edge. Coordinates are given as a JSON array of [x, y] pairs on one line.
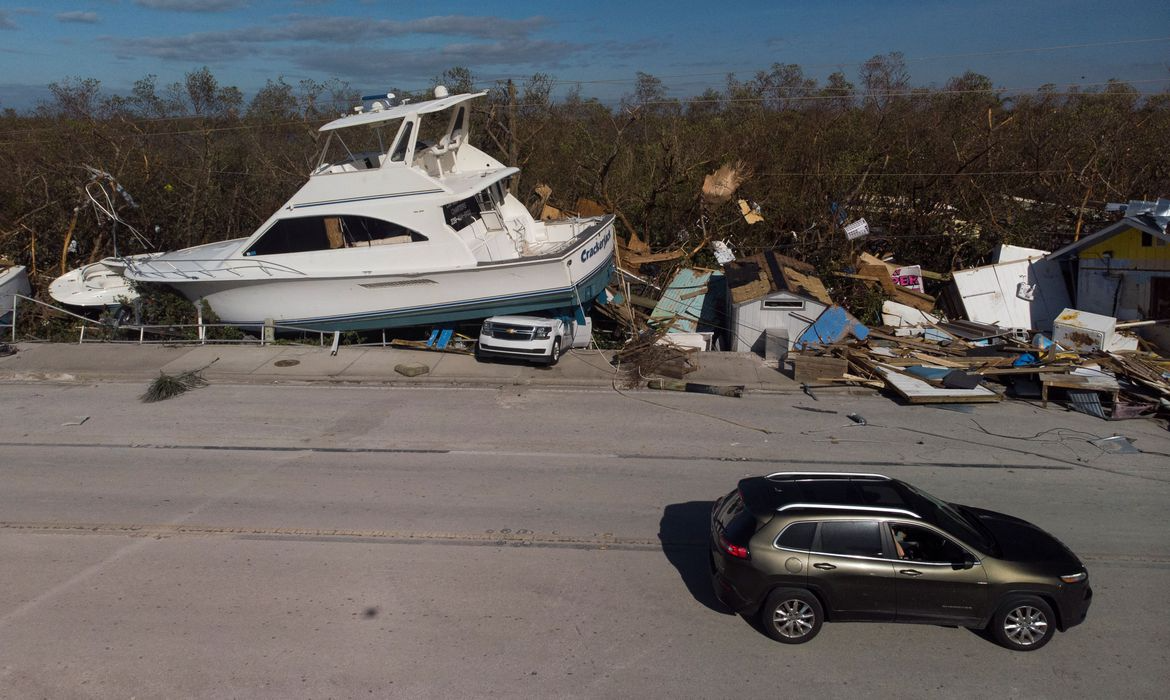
[[772, 299], [1123, 270]]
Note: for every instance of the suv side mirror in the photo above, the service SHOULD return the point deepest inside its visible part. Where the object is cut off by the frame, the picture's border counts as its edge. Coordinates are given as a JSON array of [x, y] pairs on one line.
[[965, 563]]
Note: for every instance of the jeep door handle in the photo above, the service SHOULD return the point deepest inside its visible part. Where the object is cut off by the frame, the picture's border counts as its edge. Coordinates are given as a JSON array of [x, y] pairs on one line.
[[824, 567], [910, 572]]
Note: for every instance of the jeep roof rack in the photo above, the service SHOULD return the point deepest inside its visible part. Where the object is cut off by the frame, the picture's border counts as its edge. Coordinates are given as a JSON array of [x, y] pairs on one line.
[[763, 496], [837, 506], [827, 475]]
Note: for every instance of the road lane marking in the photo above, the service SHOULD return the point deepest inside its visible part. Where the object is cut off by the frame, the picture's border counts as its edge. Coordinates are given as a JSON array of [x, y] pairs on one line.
[[851, 463], [503, 537]]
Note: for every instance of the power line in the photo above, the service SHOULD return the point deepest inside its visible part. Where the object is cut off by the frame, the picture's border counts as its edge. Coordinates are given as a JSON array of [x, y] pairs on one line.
[[979, 54], [1070, 90]]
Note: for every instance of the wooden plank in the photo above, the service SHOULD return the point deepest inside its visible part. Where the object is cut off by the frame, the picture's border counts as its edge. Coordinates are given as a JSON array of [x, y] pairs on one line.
[[807, 368], [917, 391], [952, 349], [635, 259]]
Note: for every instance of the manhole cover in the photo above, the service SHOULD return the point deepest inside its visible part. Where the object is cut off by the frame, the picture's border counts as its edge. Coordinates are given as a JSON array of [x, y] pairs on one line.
[[287, 363]]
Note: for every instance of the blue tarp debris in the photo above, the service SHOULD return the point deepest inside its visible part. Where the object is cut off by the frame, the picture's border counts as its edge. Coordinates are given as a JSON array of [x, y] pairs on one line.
[[831, 326]]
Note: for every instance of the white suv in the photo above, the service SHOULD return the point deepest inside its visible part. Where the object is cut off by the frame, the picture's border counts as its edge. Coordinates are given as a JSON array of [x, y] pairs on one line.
[[534, 337]]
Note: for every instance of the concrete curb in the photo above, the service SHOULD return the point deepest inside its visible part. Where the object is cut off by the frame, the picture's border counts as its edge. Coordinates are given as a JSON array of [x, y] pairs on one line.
[[298, 365]]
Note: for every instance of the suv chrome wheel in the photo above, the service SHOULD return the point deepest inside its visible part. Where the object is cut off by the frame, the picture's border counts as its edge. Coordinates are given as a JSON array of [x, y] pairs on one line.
[[793, 619], [1024, 624], [792, 615]]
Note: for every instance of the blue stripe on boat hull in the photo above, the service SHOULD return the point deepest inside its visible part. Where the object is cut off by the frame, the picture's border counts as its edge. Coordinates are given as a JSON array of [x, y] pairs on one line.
[[567, 297]]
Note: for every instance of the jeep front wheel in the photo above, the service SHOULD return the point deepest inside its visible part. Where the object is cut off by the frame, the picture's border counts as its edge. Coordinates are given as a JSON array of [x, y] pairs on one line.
[[1023, 624]]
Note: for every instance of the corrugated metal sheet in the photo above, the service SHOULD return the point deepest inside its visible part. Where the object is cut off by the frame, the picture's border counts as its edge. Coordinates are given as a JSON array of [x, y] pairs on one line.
[[1086, 402]]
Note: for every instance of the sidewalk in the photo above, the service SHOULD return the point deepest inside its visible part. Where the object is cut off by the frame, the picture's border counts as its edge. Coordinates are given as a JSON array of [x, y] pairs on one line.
[[295, 364]]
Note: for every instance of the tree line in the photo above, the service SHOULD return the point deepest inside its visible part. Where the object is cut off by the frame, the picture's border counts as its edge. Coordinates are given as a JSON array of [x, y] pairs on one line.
[[941, 174]]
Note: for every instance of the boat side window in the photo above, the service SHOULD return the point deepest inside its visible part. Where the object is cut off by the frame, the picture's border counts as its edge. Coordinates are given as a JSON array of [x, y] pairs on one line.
[[403, 143], [462, 214], [310, 233], [490, 198], [367, 231]]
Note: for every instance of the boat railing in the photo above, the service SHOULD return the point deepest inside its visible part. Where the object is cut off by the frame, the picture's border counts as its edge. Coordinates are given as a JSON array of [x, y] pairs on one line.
[[197, 268]]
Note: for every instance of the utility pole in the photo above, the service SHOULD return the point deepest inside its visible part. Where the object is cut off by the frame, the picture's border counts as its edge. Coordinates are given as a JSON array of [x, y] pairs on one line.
[[513, 148]]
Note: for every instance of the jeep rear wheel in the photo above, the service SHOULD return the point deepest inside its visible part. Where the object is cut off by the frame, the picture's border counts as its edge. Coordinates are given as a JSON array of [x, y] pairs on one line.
[[792, 615], [1023, 624]]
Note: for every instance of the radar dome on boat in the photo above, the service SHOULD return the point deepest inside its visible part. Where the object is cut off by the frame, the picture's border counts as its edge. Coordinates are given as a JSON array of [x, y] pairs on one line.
[[440, 92]]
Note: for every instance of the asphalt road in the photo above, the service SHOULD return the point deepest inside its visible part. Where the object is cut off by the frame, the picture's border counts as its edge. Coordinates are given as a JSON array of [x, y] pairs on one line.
[[287, 542]]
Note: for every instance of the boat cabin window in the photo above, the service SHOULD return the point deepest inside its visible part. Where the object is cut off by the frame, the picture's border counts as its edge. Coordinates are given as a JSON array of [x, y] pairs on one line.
[[462, 214], [310, 233]]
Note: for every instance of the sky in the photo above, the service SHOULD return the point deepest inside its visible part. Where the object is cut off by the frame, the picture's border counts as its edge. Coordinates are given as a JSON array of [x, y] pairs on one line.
[[599, 44]]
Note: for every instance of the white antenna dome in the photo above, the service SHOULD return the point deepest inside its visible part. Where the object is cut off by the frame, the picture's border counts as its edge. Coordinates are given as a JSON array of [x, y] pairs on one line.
[[440, 92]]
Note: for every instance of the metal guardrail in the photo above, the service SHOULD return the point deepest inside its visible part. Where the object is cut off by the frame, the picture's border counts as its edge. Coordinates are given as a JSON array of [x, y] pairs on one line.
[[169, 332]]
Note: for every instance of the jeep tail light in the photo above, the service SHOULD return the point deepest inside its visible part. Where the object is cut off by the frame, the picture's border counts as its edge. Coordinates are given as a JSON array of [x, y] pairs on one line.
[[733, 549]]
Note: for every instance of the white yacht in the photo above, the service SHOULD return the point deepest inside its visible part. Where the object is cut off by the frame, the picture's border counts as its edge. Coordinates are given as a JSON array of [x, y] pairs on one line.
[[13, 281], [402, 222]]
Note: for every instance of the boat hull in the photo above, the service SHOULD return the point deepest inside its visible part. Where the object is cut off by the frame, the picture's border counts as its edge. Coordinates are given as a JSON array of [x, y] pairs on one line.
[[96, 285], [371, 301], [13, 281]]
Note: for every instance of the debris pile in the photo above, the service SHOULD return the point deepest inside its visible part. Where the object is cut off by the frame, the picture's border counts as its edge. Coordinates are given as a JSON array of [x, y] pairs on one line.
[[1031, 324]]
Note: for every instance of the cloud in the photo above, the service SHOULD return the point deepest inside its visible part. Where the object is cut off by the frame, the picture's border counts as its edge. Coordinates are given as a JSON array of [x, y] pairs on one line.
[[191, 5], [350, 33], [78, 17], [6, 21], [397, 66]]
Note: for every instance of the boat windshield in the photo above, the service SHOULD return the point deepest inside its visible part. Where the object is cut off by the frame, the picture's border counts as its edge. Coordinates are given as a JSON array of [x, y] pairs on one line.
[[356, 148]]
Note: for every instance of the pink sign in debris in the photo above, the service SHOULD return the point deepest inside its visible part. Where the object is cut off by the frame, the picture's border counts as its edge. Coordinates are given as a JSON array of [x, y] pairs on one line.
[[909, 277]]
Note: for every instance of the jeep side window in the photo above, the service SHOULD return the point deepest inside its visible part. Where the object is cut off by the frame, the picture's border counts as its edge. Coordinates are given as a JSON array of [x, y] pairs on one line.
[[851, 537], [797, 536], [914, 543]]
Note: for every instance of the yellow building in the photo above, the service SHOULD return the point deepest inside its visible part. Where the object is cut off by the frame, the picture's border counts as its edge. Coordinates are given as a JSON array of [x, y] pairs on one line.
[[1123, 270]]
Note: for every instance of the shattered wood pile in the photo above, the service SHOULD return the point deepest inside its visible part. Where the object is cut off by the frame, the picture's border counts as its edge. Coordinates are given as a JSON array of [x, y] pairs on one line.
[[951, 369], [778, 307], [647, 355]]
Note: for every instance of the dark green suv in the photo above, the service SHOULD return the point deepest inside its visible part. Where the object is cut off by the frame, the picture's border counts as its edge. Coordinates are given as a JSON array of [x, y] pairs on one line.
[[800, 548]]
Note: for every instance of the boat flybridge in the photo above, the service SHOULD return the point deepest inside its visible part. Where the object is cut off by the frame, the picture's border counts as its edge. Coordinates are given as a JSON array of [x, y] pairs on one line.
[[402, 222]]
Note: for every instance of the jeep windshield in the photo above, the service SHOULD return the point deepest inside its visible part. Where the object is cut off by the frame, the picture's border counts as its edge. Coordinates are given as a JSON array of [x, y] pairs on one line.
[[952, 519]]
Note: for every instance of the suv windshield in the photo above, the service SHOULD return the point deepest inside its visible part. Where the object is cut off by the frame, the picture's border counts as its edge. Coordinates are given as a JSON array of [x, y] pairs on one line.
[[952, 520]]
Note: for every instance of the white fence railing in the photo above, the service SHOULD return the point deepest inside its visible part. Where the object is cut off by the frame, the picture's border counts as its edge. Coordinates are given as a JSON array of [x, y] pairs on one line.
[[169, 334]]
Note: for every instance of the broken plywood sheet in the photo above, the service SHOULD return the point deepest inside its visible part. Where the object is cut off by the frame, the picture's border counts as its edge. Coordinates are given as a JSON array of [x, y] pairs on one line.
[[896, 315], [686, 298], [917, 391], [807, 285], [721, 184]]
